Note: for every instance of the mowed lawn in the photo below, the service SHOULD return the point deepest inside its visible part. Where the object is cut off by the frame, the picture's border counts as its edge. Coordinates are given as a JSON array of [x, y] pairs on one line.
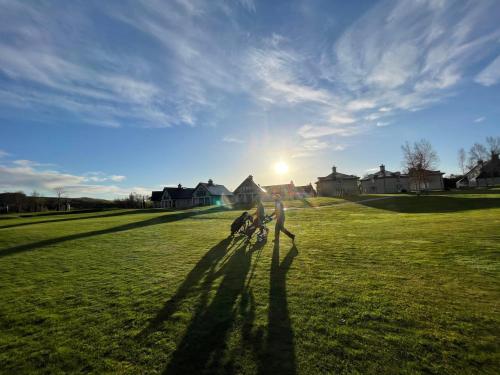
[[402, 285]]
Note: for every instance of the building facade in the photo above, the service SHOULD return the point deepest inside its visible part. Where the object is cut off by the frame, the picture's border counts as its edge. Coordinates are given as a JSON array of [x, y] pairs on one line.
[[424, 179], [206, 194], [248, 191], [337, 184], [484, 174], [384, 182]]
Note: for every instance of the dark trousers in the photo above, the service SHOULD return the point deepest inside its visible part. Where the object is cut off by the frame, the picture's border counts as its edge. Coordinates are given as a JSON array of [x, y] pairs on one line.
[[280, 227]]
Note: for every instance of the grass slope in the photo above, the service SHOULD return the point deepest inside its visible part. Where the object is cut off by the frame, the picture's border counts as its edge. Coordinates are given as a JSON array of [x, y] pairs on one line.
[[404, 285]]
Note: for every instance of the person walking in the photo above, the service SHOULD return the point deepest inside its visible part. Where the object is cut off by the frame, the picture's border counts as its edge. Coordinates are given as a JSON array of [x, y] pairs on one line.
[[279, 213]]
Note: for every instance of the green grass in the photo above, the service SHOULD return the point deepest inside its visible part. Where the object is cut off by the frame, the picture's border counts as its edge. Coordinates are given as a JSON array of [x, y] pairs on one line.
[[403, 285]]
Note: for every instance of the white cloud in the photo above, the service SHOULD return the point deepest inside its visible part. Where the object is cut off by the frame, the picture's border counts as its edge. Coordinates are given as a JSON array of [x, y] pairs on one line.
[[232, 140], [490, 75], [480, 119], [3, 153], [27, 176]]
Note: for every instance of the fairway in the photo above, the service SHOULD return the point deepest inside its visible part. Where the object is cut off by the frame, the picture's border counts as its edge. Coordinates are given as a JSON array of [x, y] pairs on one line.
[[405, 284]]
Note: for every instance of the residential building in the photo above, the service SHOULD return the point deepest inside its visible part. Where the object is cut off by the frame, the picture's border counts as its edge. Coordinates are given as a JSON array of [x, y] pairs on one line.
[[483, 174], [211, 194], [286, 191], [425, 179], [305, 191], [337, 184], [384, 182], [248, 191]]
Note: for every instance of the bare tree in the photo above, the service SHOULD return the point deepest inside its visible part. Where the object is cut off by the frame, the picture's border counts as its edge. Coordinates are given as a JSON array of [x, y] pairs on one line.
[[462, 160], [493, 144], [60, 194], [419, 159], [477, 153]]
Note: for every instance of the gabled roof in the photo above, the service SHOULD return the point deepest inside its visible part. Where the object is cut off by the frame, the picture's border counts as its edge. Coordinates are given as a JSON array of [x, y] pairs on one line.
[[215, 189], [249, 182], [156, 196], [305, 188], [179, 192]]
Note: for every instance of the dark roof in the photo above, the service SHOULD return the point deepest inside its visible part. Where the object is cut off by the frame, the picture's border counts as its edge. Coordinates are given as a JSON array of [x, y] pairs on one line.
[[338, 176], [249, 181], [179, 192], [380, 174], [215, 189], [156, 196]]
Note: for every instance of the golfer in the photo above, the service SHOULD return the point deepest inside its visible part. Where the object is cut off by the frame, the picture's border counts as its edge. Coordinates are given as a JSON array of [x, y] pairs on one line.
[[279, 212]]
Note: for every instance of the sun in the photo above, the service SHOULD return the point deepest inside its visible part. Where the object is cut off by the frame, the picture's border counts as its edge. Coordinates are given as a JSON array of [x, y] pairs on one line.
[[281, 167]]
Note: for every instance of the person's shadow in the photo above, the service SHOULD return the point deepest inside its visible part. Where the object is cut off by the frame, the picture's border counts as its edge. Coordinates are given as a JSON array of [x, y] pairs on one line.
[[202, 348], [279, 354]]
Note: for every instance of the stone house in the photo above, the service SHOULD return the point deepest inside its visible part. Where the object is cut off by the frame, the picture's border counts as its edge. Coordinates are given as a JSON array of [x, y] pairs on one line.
[[384, 182], [286, 191], [425, 179], [305, 191], [337, 184]]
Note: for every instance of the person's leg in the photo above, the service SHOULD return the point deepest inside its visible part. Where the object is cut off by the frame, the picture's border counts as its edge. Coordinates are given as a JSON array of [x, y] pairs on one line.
[[277, 230], [284, 230]]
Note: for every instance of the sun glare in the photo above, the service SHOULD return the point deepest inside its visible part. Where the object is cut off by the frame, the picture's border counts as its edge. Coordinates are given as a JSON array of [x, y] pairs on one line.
[[281, 167]]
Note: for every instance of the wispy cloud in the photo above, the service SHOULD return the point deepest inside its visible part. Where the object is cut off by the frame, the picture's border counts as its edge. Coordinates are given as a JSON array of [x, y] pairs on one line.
[[3, 153], [491, 74], [479, 119]]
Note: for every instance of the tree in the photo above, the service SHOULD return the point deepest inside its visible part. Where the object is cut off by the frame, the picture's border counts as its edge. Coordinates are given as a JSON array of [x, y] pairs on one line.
[[493, 144], [477, 153], [419, 158], [60, 194], [462, 160]]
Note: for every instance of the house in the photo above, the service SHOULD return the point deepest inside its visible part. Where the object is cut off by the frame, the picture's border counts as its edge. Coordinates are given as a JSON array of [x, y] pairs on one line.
[[483, 174], [306, 191], [211, 194], [286, 191], [337, 184], [177, 197], [425, 179], [248, 191], [156, 198], [384, 181]]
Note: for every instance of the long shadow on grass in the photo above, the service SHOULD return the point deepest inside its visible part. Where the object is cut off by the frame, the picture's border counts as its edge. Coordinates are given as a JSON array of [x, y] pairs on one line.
[[279, 356], [111, 214], [204, 344], [135, 225], [432, 204]]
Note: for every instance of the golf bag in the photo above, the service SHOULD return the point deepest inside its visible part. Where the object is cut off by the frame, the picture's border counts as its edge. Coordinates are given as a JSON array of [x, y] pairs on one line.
[[240, 224]]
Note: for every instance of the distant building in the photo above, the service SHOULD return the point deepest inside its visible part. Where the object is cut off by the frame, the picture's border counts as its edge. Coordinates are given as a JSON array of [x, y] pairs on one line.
[[248, 191], [177, 197], [384, 182], [305, 191], [425, 179], [483, 174], [286, 191], [211, 194], [337, 184]]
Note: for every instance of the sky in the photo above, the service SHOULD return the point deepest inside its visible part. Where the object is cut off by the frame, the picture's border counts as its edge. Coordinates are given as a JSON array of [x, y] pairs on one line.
[[106, 98]]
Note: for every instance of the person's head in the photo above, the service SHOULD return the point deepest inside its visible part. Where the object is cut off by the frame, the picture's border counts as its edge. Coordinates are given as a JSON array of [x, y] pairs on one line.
[[277, 197]]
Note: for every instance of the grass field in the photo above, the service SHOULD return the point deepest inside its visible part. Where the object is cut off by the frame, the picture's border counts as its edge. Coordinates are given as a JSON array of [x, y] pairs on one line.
[[402, 285]]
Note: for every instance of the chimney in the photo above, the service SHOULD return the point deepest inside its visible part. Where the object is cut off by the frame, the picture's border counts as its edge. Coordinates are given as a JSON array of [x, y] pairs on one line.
[[382, 168], [210, 182], [179, 186], [250, 178], [334, 169]]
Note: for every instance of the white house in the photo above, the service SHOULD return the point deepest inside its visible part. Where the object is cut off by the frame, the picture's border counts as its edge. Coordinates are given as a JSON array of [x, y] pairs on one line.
[[384, 182], [337, 184], [425, 179]]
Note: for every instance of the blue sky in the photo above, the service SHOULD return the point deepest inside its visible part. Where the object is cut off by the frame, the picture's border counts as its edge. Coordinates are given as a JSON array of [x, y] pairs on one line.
[[105, 98]]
